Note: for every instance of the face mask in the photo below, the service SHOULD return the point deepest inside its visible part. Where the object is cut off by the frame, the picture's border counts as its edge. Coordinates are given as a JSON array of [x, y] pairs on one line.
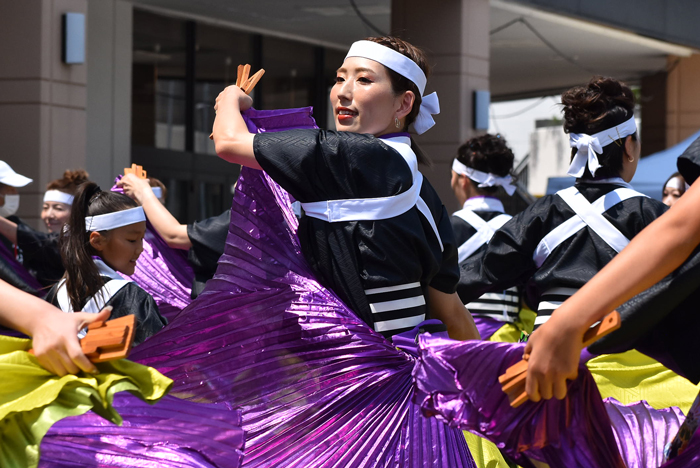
[[11, 205]]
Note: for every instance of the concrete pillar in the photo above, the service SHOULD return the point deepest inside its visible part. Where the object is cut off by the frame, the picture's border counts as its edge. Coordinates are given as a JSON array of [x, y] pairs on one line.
[[42, 100], [683, 100], [109, 53], [455, 33]]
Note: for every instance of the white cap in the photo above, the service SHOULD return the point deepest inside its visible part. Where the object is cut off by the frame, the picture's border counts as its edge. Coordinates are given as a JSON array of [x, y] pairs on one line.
[[11, 178]]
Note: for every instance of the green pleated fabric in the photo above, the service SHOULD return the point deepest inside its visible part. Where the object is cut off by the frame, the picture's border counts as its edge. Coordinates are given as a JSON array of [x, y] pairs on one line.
[[32, 399]]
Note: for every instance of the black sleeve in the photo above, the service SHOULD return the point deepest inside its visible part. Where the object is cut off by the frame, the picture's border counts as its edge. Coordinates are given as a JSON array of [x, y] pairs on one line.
[[208, 238], [447, 278], [315, 165], [506, 261], [131, 299], [41, 254]]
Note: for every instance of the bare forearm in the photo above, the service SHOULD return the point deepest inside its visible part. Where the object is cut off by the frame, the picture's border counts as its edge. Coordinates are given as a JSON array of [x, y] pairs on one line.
[[8, 230], [233, 142], [19, 310], [169, 228], [448, 308], [653, 254]]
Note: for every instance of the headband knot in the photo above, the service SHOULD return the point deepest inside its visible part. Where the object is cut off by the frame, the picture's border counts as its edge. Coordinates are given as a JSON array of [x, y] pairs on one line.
[[483, 178], [590, 146], [407, 68]]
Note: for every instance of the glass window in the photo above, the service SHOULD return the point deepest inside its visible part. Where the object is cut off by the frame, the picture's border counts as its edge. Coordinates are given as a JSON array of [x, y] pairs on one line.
[[219, 51], [289, 74], [158, 112]]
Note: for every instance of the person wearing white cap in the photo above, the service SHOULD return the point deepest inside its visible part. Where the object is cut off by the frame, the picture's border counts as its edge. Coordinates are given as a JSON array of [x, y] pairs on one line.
[[37, 250], [483, 164], [10, 181], [104, 237], [373, 229]]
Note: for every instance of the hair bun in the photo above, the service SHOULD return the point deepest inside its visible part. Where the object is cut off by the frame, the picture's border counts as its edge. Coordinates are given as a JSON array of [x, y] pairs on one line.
[[602, 103], [76, 177]]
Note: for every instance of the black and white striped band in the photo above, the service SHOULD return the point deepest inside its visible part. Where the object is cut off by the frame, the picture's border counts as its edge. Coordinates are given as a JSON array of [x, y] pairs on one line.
[[396, 309], [503, 306], [550, 301]]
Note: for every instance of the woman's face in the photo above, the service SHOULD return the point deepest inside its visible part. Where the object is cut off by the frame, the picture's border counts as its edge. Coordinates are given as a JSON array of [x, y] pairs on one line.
[[363, 99], [55, 215], [671, 194]]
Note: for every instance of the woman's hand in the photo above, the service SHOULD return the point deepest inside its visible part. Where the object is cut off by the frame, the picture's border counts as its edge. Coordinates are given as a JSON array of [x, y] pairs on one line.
[[55, 340], [135, 187], [233, 94], [553, 352]]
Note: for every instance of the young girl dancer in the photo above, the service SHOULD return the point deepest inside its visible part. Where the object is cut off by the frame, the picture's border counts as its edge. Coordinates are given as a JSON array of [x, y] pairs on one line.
[[104, 235]]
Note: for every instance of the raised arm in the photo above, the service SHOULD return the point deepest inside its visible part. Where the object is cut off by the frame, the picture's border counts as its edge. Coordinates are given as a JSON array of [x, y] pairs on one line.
[[54, 333], [169, 228], [653, 254], [8, 230], [233, 141]]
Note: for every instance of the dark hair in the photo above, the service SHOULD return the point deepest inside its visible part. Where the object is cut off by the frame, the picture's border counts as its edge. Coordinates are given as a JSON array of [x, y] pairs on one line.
[[69, 182], [603, 103], [487, 153], [153, 182], [401, 84], [83, 280], [675, 175]]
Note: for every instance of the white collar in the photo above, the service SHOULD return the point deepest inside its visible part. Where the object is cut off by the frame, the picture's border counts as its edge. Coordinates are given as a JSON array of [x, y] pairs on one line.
[[105, 270], [609, 180], [483, 203]]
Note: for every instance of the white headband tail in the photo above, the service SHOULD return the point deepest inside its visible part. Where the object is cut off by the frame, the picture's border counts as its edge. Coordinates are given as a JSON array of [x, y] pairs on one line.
[[484, 179], [58, 197], [107, 221], [404, 66], [590, 146]]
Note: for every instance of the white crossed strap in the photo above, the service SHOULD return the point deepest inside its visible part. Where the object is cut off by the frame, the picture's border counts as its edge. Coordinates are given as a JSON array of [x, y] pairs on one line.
[[587, 214], [484, 231], [374, 209]]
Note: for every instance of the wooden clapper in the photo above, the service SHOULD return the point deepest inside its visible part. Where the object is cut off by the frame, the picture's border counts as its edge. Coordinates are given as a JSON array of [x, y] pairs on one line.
[[244, 82]]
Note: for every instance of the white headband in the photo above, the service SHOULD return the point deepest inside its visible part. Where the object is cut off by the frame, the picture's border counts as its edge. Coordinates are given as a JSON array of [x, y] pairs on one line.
[[675, 183], [484, 179], [58, 197], [589, 145], [107, 221], [407, 68]]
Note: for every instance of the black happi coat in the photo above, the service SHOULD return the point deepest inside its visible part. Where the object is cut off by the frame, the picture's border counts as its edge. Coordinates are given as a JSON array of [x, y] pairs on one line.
[[130, 299], [353, 256], [508, 259], [208, 238]]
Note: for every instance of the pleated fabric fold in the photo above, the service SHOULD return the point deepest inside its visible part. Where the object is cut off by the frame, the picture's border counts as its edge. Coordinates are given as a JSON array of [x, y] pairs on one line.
[[171, 434], [316, 386], [32, 399]]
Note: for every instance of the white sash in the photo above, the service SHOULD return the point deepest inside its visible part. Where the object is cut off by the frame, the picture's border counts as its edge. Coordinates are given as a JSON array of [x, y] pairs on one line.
[[97, 302], [373, 209], [587, 214], [484, 231]]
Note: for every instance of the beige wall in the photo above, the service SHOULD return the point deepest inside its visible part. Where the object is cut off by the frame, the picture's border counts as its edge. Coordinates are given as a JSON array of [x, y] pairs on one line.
[[455, 33], [42, 100], [683, 99]]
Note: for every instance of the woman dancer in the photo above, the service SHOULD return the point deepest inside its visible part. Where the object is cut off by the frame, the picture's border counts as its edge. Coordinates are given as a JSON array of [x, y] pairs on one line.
[[393, 260], [104, 235], [561, 241], [674, 188], [482, 165], [39, 251]]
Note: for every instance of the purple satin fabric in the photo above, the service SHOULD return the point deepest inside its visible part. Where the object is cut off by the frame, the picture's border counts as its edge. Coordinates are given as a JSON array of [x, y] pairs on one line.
[[7, 256], [487, 326], [172, 434], [316, 386], [458, 383]]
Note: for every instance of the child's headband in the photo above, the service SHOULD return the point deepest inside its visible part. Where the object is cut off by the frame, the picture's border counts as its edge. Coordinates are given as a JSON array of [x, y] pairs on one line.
[[107, 221]]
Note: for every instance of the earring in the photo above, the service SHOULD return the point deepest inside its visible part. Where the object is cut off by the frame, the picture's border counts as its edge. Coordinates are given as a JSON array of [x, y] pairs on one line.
[[631, 159], [397, 122]]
